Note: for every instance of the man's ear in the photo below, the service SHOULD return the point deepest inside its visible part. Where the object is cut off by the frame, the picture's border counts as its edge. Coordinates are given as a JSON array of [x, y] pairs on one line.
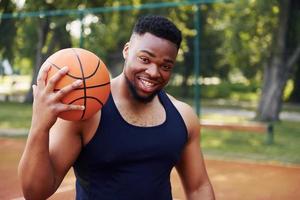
[[125, 50]]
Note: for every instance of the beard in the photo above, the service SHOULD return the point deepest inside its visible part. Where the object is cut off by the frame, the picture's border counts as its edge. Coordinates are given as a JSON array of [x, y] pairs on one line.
[[136, 96]]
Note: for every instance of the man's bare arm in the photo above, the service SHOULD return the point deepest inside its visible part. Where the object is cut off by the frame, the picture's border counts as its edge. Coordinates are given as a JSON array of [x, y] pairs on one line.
[[191, 167], [41, 169]]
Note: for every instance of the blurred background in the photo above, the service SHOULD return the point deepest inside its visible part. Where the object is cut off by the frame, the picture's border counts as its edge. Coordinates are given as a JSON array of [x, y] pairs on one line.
[[238, 66]]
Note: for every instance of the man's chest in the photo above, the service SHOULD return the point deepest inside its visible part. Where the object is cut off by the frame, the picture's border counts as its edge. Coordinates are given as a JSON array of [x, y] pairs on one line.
[[145, 117]]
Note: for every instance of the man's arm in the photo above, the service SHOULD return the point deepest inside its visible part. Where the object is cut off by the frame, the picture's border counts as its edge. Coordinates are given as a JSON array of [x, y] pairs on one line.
[[191, 167], [47, 158], [52, 144]]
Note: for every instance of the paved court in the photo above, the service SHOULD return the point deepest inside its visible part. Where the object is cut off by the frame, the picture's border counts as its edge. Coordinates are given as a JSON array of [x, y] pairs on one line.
[[231, 180]]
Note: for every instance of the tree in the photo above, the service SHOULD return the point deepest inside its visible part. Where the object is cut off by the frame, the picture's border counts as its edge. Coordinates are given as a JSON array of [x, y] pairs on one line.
[[49, 37], [245, 30], [7, 29], [295, 94], [279, 68], [294, 39]]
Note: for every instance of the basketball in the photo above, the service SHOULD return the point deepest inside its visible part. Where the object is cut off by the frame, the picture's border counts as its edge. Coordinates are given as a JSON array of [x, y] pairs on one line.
[[89, 68]]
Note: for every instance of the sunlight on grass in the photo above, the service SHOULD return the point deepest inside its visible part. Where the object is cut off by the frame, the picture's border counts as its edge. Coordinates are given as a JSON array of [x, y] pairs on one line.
[[254, 143], [222, 118], [214, 143], [5, 124], [251, 146], [237, 96], [15, 83]]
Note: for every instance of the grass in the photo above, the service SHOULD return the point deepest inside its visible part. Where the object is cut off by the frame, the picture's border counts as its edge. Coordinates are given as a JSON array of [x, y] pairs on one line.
[[238, 104], [15, 115], [215, 144], [249, 146]]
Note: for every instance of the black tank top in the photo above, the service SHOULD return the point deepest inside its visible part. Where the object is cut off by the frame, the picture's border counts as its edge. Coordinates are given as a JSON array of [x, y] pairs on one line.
[[128, 162]]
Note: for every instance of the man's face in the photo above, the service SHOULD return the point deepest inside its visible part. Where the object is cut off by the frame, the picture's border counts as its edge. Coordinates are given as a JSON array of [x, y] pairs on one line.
[[149, 61]]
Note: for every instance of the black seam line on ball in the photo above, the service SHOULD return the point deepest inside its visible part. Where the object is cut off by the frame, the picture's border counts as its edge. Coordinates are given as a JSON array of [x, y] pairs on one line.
[[89, 87], [84, 83], [76, 77], [88, 97], [67, 74]]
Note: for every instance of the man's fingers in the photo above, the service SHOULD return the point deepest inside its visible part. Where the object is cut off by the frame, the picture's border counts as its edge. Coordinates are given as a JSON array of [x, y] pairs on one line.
[[67, 107], [55, 78], [65, 90], [42, 76], [75, 107], [33, 90]]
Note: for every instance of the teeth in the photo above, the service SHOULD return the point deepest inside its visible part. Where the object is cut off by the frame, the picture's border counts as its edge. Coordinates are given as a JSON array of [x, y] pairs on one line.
[[147, 84]]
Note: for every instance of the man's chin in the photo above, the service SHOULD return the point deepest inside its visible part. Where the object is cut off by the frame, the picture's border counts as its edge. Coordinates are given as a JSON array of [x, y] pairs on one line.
[[140, 98], [144, 99]]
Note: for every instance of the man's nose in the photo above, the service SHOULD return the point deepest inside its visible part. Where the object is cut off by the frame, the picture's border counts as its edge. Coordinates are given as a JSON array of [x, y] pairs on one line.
[[153, 70]]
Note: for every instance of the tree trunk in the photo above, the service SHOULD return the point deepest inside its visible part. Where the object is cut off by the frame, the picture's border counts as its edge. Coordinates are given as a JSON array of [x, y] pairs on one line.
[[294, 39], [43, 30], [295, 95], [273, 85], [61, 39], [277, 71], [274, 72]]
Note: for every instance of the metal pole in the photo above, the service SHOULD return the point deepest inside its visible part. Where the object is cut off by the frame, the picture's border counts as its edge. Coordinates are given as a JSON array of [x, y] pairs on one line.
[[197, 58], [270, 134], [81, 30], [106, 9]]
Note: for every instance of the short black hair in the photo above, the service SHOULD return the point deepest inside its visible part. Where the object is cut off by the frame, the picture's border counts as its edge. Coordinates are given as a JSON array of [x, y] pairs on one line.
[[160, 27]]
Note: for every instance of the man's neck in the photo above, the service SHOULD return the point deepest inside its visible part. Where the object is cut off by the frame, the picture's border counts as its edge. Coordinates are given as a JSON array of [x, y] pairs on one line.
[[133, 111]]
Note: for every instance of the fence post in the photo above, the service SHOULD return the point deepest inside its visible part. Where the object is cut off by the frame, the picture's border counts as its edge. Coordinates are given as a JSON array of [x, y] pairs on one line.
[[270, 134], [197, 58], [81, 30]]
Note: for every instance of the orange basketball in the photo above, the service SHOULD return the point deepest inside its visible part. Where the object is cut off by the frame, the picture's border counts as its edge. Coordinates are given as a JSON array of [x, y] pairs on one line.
[[88, 67]]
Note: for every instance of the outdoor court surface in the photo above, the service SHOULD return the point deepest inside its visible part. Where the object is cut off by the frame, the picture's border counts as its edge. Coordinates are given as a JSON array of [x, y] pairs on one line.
[[231, 180]]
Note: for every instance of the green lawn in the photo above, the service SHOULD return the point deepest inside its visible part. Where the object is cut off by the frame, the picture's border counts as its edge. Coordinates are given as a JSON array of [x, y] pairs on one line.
[[251, 146], [15, 115], [215, 144]]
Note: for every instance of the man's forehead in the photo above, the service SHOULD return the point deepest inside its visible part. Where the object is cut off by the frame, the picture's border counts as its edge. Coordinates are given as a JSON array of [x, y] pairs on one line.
[[149, 37]]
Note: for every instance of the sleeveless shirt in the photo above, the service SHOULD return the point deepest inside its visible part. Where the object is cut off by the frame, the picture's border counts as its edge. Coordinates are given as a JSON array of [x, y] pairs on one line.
[[127, 162]]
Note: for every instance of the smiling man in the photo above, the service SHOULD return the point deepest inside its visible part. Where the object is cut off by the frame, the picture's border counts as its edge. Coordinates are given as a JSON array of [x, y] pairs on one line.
[[149, 61], [128, 149]]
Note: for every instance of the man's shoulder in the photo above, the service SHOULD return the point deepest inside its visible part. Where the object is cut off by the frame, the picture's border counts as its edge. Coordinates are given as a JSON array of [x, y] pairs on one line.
[[180, 105], [189, 116]]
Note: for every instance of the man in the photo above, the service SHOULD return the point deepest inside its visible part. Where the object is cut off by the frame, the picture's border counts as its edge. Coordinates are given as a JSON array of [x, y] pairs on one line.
[[128, 149]]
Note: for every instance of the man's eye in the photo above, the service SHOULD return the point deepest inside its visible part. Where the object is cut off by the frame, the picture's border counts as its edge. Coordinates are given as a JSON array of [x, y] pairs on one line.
[[144, 59], [166, 67]]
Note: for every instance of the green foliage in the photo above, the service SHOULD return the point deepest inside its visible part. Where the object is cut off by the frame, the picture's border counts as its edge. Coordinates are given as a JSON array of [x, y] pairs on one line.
[[108, 34], [8, 31], [224, 90], [235, 36], [246, 28], [226, 40], [216, 91]]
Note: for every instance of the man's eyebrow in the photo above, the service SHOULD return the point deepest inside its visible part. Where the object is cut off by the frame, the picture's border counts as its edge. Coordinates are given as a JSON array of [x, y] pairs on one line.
[[148, 52], [153, 55]]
